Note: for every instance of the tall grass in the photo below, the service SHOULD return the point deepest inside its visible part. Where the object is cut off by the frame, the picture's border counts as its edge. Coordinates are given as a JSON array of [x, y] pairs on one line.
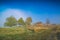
[[20, 33]]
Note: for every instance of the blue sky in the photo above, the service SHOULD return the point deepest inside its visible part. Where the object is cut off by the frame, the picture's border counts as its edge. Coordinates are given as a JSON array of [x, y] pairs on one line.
[[38, 10]]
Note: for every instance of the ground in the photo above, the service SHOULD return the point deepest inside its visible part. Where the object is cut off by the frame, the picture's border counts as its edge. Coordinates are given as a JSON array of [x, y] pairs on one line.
[[21, 33]]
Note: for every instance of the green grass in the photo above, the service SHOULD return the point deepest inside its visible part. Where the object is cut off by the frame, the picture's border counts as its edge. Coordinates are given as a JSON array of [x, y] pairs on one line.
[[17, 30], [20, 33]]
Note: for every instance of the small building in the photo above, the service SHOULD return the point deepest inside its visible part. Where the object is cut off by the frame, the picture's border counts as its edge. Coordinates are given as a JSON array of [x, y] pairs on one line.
[[38, 24]]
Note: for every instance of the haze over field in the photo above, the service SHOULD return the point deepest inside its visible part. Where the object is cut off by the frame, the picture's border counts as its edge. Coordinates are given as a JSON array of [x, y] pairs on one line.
[[38, 10]]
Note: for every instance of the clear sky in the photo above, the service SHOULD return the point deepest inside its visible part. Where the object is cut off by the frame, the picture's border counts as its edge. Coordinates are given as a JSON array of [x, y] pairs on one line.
[[38, 10]]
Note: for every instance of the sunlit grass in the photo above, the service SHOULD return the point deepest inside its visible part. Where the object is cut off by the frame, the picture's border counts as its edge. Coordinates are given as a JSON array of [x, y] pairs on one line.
[[16, 30], [20, 33]]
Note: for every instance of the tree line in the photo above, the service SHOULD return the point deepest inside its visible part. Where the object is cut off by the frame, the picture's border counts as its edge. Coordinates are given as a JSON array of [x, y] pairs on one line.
[[12, 21]]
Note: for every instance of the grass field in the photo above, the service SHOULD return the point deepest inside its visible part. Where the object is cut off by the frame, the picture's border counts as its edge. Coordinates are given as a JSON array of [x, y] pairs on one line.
[[20, 33]]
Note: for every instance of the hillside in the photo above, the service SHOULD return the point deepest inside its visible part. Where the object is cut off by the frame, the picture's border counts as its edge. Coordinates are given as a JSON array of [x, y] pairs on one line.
[[20, 33]]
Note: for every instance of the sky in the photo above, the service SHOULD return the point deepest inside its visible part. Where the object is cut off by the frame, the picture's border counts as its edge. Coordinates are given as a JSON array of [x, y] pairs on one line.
[[37, 10]]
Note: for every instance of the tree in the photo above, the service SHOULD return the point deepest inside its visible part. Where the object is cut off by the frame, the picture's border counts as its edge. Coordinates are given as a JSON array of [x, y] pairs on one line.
[[10, 21], [47, 21], [28, 21], [21, 21]]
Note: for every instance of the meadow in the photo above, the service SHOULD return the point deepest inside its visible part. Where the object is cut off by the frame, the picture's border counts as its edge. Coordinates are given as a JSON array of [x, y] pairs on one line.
[[20, 33]]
